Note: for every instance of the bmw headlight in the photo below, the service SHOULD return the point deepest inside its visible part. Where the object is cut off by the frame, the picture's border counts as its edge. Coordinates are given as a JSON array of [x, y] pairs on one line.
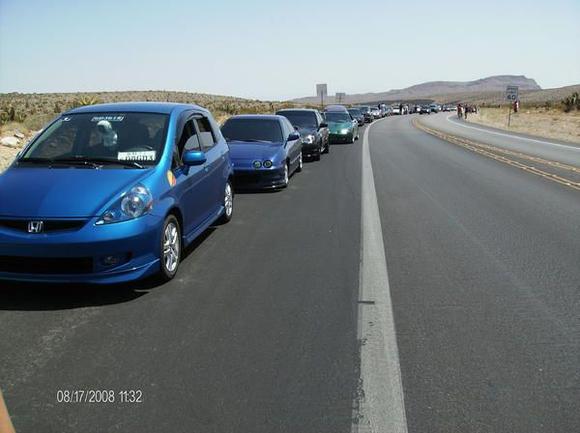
[[309, 139], [267, 163], [257, 164], [136, 202], [344, 131]]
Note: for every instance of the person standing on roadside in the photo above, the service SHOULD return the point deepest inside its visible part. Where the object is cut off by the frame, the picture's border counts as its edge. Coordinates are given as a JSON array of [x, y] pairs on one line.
[[465, 114], [459, 109]]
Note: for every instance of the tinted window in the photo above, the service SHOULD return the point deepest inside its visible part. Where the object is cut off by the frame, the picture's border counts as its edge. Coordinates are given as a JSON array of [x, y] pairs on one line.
[[337, 117], [138, 137], [206, 135], [188, 139], [302, 119], [355, 112], [248, 129]]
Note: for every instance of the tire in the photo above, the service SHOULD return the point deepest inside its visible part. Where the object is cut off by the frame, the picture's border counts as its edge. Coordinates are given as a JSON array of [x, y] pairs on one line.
[[317, 157], [228, 204], [170, 248], [352, 139], [300, 164], [286, 176]]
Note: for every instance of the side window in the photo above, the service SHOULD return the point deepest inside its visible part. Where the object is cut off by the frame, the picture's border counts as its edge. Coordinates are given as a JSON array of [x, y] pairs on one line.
[[290, 127], [188, 140], [206, 134]]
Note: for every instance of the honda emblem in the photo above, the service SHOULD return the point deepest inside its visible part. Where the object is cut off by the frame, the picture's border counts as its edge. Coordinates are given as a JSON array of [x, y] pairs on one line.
[[35, 226]]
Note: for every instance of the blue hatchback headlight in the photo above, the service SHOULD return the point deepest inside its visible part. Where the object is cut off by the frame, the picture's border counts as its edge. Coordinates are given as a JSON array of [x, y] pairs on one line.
[[136, 202]]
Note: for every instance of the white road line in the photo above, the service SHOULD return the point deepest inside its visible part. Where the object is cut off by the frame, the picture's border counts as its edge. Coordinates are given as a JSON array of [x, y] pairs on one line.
[[381, 405], [571, 147]]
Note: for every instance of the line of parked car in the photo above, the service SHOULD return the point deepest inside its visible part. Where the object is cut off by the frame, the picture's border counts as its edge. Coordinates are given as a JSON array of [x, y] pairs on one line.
[[114, 192]]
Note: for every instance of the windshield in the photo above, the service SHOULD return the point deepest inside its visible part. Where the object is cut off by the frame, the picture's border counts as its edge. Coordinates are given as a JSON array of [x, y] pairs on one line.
[[135, 139], [355, 112], [252, 130], [337, 117], [302, 119]]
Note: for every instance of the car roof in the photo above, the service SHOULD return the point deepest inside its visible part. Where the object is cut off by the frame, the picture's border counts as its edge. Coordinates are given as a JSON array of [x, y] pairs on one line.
[[283, 110], [335, 108], [258, 116], [136, 107]]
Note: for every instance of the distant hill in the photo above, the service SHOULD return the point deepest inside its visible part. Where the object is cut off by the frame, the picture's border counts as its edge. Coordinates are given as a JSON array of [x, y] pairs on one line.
[[436, 89]]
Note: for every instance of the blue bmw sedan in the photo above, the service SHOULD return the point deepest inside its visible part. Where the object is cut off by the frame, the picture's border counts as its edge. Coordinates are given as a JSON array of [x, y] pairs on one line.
[[114, 192], [265, 150]]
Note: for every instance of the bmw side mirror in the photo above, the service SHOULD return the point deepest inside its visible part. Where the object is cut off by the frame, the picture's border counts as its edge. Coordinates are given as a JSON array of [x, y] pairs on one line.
[[194, 157], [293, 136], [324, 125]]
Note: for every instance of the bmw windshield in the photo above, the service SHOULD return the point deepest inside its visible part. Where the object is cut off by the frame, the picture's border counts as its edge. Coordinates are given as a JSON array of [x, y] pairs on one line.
[[337, 117], [302, 119], [132, 140]]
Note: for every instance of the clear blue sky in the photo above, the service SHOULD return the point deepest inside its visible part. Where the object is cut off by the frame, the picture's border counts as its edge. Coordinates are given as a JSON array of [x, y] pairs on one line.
[[278, 50]]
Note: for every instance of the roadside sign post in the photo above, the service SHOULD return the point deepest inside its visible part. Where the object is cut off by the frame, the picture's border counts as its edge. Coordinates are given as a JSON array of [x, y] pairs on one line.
[[511, 94], [321, 92], [340, 97]]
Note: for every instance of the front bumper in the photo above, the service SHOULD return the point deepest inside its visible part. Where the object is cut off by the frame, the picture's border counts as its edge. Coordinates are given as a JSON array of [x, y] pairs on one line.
[[310, 149], [263, 178], [341, 138], [83, 255]]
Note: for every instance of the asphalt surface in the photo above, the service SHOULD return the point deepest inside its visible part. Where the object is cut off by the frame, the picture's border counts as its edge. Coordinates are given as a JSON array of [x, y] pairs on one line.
[[258, 332]]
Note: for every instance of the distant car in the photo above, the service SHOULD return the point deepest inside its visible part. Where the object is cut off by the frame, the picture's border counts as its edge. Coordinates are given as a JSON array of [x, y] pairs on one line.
[[425, 109], [112, 193], [343, 128], [366, 111], [357, 115], [376, 112], [395, 109], [435, 108], [265, 150], [312, 128]]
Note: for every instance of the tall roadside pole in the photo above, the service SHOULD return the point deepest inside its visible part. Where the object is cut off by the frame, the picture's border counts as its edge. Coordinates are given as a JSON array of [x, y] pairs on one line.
[[321, 92], [511, 94], [340, 97]]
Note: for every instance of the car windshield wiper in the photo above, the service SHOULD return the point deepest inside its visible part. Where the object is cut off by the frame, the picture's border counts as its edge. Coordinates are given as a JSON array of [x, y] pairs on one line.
[[50, 162], [97, 161]]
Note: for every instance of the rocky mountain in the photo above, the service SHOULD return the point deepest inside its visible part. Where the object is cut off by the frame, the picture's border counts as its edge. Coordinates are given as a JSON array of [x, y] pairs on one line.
[[434, 89]]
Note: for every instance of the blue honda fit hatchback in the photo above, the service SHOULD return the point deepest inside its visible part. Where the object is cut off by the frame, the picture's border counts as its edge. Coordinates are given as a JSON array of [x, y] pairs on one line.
[[114, 192]]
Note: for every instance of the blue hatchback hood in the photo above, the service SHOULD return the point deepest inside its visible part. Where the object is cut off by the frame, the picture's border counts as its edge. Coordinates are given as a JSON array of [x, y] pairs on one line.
[[244, 151], [62, 192]]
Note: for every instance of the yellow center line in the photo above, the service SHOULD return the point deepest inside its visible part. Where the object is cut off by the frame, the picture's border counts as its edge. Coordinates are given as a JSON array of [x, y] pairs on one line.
[[491, 152]]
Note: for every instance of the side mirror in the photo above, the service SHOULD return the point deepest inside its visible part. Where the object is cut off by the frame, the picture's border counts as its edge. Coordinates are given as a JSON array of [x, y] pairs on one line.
[[323, 125], [194, 157], [293, 136]]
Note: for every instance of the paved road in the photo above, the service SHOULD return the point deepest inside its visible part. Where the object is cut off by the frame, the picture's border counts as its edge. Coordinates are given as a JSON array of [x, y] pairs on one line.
[[259, 332], [554, 150]]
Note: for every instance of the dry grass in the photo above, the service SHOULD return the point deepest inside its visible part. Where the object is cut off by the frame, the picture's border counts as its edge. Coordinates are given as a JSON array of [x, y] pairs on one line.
[[542, 122]]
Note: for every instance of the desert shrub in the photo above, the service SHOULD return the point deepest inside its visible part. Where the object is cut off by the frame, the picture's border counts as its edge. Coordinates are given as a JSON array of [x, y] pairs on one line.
[[37, 121], [571, 102]]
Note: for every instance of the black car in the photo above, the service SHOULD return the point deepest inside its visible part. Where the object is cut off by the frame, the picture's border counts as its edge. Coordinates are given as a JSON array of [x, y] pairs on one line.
[[312, 128], [366, 111], [425, 109], [358, 115]]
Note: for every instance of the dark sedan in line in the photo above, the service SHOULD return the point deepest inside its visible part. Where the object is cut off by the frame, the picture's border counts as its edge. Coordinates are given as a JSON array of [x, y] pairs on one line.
[[312, 128], [357, 115], [265, 150]]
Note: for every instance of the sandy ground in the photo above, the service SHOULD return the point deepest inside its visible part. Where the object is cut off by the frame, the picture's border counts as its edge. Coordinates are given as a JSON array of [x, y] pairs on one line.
[[540, 122]]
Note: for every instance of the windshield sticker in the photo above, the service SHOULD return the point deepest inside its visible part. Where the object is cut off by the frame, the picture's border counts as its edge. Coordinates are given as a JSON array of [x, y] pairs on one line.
[[111, 118], [148, 155]]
